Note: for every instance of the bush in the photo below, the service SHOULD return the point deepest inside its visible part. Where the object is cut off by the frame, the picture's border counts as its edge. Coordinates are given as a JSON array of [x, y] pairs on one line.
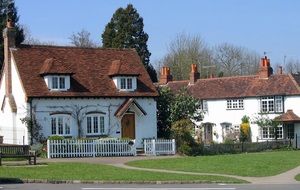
[[56, 137], [181, 131]]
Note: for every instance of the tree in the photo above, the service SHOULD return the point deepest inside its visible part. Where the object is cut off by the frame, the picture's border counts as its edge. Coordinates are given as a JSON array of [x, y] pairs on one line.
[[235, 60], [164, 102], [82, 39], [185, 50], [9, 11], [292, 66], [185, 106], [126, 30], [264, 121], [30, 40]]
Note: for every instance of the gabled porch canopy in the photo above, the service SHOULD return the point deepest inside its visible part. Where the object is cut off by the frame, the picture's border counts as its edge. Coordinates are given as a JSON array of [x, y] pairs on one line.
[[288, 117], [130, 104]]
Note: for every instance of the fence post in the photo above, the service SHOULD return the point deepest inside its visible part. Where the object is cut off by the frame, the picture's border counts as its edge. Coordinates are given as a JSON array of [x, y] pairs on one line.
[[153, 147], [94, 148], [134, 147], [173, 146], [296, 141], [48, 149]]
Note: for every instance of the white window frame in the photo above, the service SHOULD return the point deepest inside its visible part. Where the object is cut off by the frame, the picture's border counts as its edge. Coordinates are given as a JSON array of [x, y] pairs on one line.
[[60, 125], [271, 104], [57, 81], [268, 133], [126, 83], [97, 124], [235, 104], [204, 105]]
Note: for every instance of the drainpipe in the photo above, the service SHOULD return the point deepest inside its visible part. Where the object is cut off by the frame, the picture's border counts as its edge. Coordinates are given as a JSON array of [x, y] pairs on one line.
[[31, 119]]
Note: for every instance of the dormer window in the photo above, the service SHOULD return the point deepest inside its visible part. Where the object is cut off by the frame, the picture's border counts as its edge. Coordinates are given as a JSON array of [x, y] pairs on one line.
[[58, 82], [125, 83]]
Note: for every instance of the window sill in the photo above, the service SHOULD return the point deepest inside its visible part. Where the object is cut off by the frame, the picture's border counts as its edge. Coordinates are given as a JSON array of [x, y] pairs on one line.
[[235, 109]]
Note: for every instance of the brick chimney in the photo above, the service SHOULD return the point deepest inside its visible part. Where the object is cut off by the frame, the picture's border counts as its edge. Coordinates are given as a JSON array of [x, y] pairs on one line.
[[165, 75], [9, 34], [194, 75], [279, 71], [265, 70]]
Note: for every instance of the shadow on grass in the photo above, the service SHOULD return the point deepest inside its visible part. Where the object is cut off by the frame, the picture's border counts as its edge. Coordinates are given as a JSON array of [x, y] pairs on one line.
[[4, 180]]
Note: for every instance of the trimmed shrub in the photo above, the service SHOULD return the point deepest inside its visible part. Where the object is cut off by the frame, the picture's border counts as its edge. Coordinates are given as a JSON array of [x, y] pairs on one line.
[[56, 137]]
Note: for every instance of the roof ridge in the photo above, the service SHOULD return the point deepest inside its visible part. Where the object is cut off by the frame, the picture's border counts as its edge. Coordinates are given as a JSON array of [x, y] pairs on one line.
[[73, 47]]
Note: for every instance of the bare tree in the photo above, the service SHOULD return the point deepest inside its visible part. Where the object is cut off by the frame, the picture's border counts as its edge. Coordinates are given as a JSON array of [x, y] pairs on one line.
[[292, 66], [82, 39], [30, 40], [183, 51], [234, 60]]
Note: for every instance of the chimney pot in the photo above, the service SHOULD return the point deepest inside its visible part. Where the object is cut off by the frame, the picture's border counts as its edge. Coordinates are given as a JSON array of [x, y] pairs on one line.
[[279, 70], [194, 75]]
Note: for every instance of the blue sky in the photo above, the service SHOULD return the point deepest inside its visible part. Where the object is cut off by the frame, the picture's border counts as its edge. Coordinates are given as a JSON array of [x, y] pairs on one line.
[[260, 25]]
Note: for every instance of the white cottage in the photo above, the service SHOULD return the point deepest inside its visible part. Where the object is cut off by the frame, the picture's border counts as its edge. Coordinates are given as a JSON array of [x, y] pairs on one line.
[[86, 92], [226, 100]]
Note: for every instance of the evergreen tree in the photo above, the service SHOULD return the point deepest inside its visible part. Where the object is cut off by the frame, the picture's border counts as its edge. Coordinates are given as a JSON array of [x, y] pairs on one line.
[[126, 30], [9, 11]]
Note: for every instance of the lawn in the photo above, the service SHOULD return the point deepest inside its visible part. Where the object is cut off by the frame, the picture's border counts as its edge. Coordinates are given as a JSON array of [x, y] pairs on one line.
[[86, 172], [297, 177], [251, 164]]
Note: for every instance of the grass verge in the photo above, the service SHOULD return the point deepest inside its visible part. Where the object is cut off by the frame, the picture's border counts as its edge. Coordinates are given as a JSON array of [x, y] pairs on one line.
[[297, 177], [92, 172], [251, 164]]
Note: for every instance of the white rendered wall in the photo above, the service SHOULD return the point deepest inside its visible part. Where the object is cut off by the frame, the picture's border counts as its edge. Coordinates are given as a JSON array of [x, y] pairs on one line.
[[145, 125], [218, 113], [11, 127]]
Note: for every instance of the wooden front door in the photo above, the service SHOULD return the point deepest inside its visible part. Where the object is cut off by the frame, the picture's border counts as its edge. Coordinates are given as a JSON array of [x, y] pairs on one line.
[[208, 134], [128, 126]]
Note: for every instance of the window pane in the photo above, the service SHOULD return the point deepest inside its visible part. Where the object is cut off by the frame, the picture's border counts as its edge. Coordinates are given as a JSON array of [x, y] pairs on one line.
[[241, 104], [54, 82], [101, 124], [229, 104], [279, 132], [278, 104], [53, 126], [89, 125], [96, 125], [60, 126], [271, 105], [62, 82], [129, 83], [67, 126], [123, 83]]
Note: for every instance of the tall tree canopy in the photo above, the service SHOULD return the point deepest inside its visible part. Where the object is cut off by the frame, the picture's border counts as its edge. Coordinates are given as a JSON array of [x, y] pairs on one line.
[[8, 10], [126, 30]]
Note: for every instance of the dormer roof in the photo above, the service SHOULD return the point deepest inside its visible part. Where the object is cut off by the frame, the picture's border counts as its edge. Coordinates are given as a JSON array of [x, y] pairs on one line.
[[54, 66]]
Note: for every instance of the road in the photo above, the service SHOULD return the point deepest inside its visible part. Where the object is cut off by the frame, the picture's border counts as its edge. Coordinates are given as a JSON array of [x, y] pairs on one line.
[[148, 187]]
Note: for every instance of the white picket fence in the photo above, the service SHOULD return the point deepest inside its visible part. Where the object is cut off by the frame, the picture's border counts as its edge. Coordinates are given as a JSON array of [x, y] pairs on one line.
[[70, 148], [159, 147]]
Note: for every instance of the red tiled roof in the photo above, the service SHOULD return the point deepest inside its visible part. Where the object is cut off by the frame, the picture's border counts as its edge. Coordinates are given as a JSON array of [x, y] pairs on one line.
[[119, 68], [289, 116], [240, 86], [54, 66], [90, 68]]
